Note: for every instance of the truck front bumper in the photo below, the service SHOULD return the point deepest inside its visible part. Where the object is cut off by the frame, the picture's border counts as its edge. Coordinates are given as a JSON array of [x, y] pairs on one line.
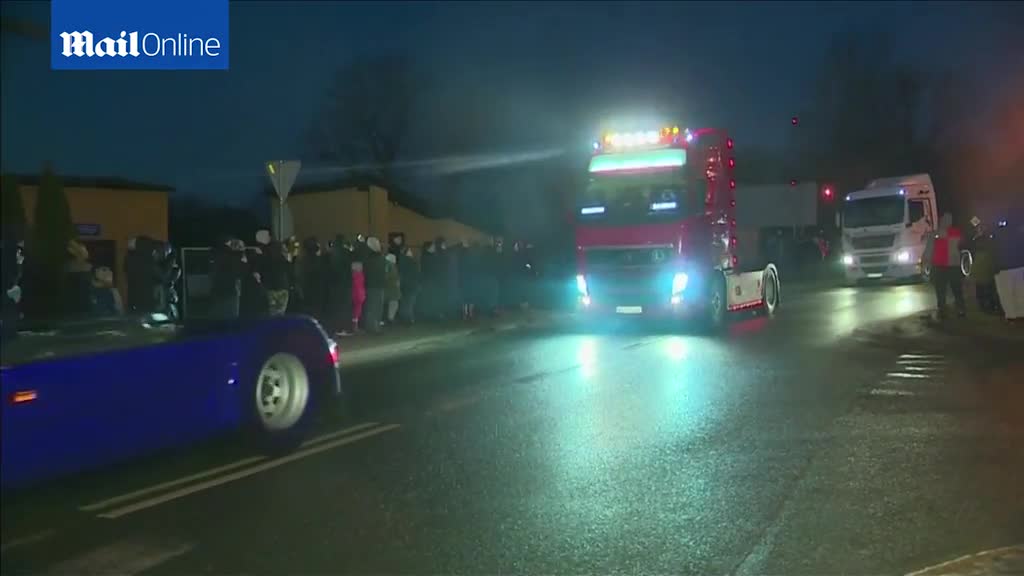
[[677, 307], [881, 270]]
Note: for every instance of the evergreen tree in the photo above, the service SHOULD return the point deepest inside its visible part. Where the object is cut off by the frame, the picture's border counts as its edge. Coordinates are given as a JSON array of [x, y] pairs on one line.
[[13, 211], [52, 229]]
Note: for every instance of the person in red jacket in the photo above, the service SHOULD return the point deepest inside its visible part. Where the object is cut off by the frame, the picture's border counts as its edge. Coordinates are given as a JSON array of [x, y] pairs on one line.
[[943, 254]]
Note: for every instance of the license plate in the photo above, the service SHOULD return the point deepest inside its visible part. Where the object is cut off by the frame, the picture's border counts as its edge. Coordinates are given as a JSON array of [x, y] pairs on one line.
[[629, 309]]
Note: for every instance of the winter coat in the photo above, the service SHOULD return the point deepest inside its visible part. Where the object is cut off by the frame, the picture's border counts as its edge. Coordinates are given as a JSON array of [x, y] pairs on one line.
[[408, 273], [373, 268], [392, 280]]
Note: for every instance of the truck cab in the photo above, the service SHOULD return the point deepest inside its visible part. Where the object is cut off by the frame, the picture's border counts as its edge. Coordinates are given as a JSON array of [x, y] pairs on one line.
[[655, 229], [886, 226]]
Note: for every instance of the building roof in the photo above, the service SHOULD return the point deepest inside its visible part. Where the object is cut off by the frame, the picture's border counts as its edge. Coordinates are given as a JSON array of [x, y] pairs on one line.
[[396, 195], [93, 182]]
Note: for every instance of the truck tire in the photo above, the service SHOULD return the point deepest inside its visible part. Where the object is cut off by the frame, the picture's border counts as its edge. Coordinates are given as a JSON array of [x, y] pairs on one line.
[[716, 307], [770, 293]]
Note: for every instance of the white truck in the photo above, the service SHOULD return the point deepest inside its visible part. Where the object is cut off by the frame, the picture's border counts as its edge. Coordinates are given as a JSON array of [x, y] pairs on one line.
[[886, 226]]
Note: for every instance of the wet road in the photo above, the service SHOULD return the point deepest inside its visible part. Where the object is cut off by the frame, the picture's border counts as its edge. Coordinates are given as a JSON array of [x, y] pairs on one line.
[[804, 443]]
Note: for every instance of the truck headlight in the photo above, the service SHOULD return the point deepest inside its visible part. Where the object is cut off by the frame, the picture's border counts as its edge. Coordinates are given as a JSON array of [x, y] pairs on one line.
[[581, 285], [847, 259], [903, 256], [679, 282]]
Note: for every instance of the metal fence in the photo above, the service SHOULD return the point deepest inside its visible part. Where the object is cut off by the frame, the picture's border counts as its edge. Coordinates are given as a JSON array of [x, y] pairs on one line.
[[196, 266]]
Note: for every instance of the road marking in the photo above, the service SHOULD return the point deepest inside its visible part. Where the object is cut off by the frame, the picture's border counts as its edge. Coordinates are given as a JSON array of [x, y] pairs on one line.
[[171, 483], [906, 375], [891, 392], [921, 356], [125, 558], [921, 361], [210, 472], [955, 564], [256, 469], [926, 368], [26, 540], [332, 435]]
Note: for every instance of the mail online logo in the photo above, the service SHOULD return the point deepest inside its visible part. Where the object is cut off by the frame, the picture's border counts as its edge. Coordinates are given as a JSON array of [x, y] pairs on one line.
[[139, 34]]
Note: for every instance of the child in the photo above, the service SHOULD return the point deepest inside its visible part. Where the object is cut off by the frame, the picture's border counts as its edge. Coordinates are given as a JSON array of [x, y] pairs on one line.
[[106, 300], [358, 293]]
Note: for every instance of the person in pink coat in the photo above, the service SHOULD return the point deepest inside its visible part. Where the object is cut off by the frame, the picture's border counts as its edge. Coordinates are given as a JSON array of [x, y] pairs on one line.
[[358, 293]]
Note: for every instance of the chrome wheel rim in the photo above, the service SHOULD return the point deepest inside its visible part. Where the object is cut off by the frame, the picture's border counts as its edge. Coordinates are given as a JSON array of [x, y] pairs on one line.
[[771, 292], [282, 391], [716, 306]]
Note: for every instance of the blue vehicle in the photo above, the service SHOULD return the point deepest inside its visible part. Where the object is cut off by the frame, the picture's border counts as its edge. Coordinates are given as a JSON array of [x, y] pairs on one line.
[[97, 391]]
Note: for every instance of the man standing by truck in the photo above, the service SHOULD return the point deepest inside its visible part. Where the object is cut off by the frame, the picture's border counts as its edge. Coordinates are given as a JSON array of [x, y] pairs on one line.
[[943, 254]]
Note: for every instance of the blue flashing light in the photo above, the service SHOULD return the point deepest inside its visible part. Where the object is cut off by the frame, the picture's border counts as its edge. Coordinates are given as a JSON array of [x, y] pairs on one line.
[[903, 192]]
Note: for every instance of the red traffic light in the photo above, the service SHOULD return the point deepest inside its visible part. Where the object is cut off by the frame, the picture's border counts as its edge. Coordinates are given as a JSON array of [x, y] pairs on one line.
[[827, 192], [794, 120], [792, 182]]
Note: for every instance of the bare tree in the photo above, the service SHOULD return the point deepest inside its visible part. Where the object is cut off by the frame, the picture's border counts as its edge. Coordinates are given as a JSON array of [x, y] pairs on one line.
[[365, 119], [863, 124], [25, 28]]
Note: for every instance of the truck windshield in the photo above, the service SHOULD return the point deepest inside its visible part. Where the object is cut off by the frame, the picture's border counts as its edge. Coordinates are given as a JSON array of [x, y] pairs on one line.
[[634, 199], [878, 211]]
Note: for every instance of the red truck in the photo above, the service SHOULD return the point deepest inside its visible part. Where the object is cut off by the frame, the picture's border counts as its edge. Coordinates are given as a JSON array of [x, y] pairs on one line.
[[656, 230]]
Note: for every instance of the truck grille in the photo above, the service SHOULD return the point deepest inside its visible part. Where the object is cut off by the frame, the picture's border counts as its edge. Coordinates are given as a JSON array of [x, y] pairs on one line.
[[876, 259], [872, 242], [620, 257]]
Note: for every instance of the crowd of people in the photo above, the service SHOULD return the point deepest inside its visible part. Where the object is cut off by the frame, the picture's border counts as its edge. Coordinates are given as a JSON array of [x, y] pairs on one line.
[[358, 284]]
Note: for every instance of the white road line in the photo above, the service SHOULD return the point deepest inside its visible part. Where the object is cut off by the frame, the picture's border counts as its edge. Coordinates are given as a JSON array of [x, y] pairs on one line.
[[921, 356], [180, 493], [928, 368], [891, 392], [945, 567], [26, 540], [921, 361], [125, 558], [332, 435], [906, 375], [210, 472], [171, 483]]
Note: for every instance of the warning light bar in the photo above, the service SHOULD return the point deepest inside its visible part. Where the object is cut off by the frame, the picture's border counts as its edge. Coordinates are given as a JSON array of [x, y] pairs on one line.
[[592, 210], [667, 136]]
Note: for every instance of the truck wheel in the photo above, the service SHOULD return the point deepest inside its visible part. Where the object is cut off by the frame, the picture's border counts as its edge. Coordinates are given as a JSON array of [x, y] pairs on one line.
[[770, 291], [280, 402], [716, 308]]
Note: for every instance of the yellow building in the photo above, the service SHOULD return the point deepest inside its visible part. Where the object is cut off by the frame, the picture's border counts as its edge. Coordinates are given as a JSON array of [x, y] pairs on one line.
[[324, 210], [106, 213]]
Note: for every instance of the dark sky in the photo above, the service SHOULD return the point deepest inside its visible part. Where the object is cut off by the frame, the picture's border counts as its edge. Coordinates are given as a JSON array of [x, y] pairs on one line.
[[550, 75]]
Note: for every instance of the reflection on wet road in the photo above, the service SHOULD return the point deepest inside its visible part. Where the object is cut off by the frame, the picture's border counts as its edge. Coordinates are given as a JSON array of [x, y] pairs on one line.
[[629, 449]]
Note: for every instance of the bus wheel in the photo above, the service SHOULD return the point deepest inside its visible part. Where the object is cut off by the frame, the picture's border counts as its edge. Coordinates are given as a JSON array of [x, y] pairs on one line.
[[770, 291]]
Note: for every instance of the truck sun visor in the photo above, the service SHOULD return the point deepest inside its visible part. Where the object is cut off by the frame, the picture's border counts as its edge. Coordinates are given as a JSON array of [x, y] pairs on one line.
[[640, 160]]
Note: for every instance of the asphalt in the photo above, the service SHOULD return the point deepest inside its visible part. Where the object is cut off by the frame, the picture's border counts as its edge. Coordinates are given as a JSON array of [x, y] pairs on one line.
[[844, 435]]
